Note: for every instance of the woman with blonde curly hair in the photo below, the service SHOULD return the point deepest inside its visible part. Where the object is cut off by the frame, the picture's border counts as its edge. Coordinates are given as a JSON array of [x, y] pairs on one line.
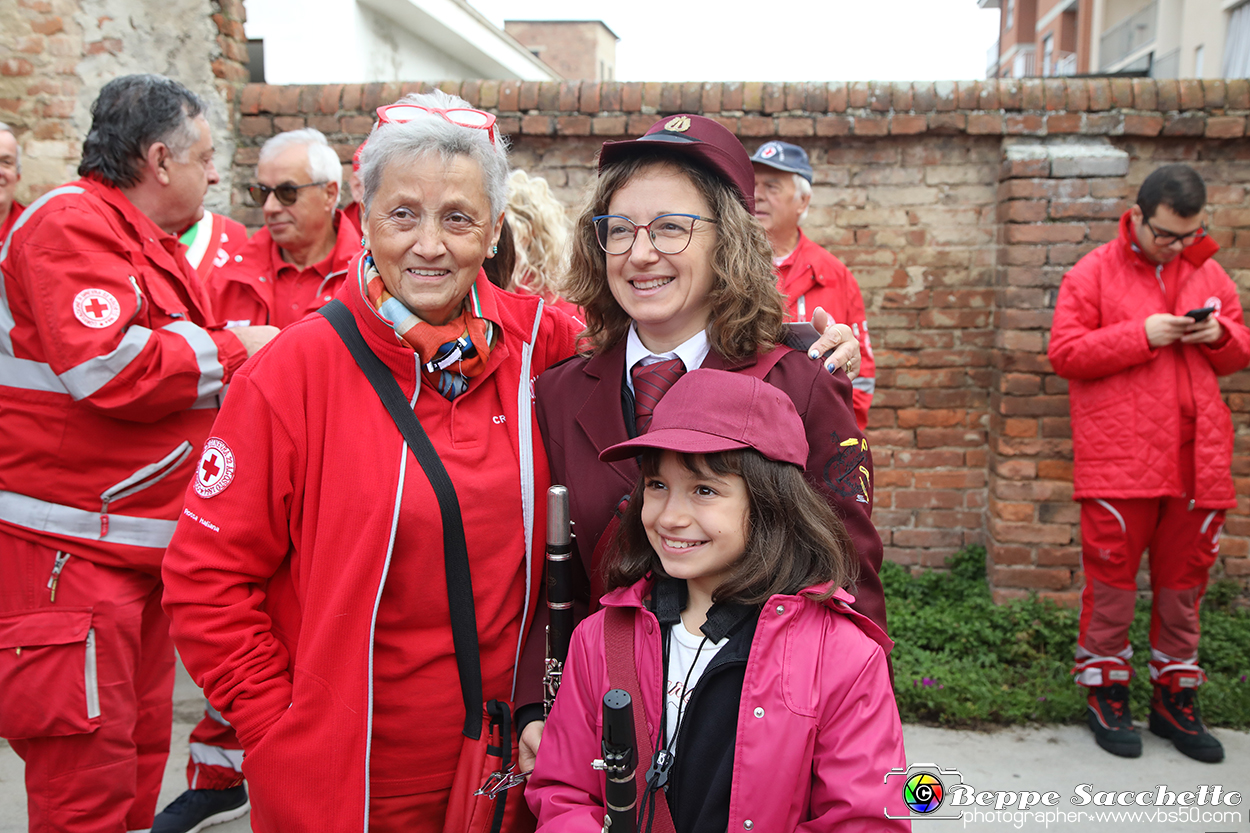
[[696, 289], [540, 231]]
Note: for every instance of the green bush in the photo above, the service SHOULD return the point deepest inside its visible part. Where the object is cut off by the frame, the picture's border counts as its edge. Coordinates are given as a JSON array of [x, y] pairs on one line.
[[961, 660]]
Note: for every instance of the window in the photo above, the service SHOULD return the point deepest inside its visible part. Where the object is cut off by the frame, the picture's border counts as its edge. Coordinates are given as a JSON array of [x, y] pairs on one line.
[[1198, 58], [1237, 46], [1048, 54], [256, 60], [1011, 15]]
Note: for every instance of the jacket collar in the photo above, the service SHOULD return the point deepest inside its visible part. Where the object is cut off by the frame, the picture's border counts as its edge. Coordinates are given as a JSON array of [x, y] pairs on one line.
[[1196, 255], [600, 416]]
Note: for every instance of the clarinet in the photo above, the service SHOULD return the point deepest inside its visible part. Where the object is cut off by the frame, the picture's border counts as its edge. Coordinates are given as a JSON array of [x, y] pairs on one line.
[[618, 763], [559, 591]]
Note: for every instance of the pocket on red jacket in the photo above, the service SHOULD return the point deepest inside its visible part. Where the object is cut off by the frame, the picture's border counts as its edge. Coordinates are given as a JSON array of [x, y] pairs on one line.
[[48, 681]]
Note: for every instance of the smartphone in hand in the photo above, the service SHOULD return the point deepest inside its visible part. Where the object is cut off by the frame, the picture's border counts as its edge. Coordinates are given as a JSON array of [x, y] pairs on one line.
[[1200, 314]]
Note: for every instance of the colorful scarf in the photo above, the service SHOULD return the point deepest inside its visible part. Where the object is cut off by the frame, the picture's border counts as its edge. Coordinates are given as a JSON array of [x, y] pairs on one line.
[[452, 353]]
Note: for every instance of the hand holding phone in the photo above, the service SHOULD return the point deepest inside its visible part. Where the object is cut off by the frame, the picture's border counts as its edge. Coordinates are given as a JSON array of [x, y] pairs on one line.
[[1200, 314]]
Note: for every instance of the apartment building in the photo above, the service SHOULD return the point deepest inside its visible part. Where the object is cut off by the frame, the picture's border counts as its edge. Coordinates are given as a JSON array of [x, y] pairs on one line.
[[1154, 38]]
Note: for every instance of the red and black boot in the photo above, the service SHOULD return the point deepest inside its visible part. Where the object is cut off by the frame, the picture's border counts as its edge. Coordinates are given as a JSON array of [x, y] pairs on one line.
[[1112, 722], [1174, 714]]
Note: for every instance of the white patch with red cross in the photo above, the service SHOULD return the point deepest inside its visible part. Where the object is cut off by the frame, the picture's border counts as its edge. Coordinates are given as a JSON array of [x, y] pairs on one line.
[[216, 469], [96, 308]]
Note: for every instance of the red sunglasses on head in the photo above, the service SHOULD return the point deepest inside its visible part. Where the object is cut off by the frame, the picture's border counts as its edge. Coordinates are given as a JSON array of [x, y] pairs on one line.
[[463, 116]]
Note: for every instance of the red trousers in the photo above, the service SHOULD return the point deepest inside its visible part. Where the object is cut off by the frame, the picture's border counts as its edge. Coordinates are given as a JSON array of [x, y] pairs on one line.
[[1183, 544], [216, 760], [86, 688]]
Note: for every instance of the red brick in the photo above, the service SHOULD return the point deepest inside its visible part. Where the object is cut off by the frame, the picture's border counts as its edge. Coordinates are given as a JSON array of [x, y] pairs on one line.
[[1140, 125], [549, 96], [756, 126], [352, 94], [928, 538], [833, 125], [871, 125], [1064, 123], [16, 66], [1191, 97], [571, 125], [1213, 93], [509, 96], [1033, 578], [1237, 93], [1086, 209], [47, 25], [358, 125], [924, 100], [815, 97], [838, 96], [902, 124], [1122, 94], [753, 96], [1055, 94], [928, 499], [608, 125], [772, 98], [1054, 470], [281, 124], [1010, 555], [1010, 93], [536, 125], [670, 97], [1032, 94], [1044, 233], [255, 126], [567, 96], [794, 126], [1184, 125], [609, 96], [731, 95], [985, 124], [1167, 93], [948, 123], [908, 458], [711, 99], [1025, 124], [588, 98]]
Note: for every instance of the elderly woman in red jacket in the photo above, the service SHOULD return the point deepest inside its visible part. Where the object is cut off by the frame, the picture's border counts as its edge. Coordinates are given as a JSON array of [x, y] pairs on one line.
[[306, 579], [674, 273]]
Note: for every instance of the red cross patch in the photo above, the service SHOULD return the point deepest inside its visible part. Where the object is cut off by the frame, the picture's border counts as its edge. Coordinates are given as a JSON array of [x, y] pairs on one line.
[[216, 468], [96, 308]]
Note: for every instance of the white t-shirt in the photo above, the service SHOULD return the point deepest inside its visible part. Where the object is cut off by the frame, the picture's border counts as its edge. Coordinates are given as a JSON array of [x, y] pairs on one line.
[[682, 650]]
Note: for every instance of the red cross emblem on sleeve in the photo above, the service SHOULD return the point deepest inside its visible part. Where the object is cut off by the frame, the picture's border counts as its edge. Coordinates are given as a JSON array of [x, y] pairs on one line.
[[216, 469], [96, 308]]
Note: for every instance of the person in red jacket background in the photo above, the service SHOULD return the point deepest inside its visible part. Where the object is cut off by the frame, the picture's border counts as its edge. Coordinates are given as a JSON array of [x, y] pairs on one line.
[[10, 175], [1142, 328], [808, 275], [296, 263], [110, 378]]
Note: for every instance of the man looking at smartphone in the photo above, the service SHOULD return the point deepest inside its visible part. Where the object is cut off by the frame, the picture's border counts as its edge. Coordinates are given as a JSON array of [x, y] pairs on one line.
[[1142, 328]]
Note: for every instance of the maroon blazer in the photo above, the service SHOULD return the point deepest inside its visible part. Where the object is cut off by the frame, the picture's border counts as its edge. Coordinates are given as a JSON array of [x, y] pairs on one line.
[[580, 413]]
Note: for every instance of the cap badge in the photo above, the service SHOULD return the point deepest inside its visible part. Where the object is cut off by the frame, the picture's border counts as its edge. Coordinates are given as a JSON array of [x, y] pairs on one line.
[[678, 124], [768, 152]]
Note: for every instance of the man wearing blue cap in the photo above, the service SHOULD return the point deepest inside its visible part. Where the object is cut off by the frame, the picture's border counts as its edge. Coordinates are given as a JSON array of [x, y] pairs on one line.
[[808, 275]]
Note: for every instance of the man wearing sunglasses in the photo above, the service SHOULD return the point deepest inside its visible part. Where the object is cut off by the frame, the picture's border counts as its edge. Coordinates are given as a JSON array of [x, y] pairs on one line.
[[296, 262], [1143, 327]]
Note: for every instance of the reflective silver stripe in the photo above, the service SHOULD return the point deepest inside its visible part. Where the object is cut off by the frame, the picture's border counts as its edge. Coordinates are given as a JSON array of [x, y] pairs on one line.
[[144, 477], [211, 371], [1113, 511], [55, 519], [29, 375], [867, 384], [202, 753], [91, 678], [6, 316], [214, 714], [87, 378], [525, 435], [1206, 523], [802, 310]]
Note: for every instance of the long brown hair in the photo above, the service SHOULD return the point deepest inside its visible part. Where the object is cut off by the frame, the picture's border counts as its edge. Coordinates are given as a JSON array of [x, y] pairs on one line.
[[747, 311], [794, 539]]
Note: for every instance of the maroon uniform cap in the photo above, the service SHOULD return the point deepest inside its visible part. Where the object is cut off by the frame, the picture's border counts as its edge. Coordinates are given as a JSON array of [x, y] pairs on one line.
[[698, 137], [714, 410]]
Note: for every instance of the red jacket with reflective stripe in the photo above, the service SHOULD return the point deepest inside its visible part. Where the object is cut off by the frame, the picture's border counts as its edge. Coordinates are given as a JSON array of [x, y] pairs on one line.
[[1126, 413], [109, 381], [810, 277], [258, 287]]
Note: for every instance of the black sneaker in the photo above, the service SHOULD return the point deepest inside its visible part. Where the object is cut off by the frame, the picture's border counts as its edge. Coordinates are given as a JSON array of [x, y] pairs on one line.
[[194, 810], [1175, 715], [1110, 720]]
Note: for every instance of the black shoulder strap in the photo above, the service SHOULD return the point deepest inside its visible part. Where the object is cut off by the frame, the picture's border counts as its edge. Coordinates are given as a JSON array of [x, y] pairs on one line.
[[455, 551]]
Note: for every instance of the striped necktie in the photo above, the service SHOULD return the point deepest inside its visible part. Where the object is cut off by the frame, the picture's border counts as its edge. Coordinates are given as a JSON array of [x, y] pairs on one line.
[[651, 382]]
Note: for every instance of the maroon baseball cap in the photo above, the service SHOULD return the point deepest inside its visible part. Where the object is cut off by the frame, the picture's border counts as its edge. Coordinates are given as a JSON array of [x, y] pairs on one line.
[[714, 410], [698, 137]]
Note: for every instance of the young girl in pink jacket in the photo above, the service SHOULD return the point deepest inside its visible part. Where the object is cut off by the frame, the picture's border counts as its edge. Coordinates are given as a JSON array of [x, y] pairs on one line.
[[766, 698]]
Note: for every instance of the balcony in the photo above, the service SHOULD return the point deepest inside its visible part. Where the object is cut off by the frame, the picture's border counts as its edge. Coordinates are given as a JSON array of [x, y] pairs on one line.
[[1127, 37], [1023, 63], [1064, 64]]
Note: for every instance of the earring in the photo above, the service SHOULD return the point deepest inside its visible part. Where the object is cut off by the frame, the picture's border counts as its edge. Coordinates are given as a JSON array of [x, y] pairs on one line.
[[494, 250], [364, 241]]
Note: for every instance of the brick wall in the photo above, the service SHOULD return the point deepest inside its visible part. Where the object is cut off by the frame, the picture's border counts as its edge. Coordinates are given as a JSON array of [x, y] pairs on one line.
[[958, 206]]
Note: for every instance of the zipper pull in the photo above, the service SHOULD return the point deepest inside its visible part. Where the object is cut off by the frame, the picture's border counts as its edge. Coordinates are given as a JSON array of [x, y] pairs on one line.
[[104, 519], [57, 567]]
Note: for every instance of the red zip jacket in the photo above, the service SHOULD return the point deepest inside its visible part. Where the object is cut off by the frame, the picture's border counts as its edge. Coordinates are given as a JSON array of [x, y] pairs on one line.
[[276, 572], [810, 277], [109, 380], [258, 287], [1126, 409], [818, 726]]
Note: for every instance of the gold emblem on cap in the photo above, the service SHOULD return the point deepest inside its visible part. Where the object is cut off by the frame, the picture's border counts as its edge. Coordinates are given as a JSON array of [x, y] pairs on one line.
[[678, 124]]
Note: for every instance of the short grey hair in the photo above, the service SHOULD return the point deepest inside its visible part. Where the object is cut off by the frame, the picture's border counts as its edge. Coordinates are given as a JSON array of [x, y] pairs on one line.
[[323, 162], [430, 134], [4, 128], [802, 188]]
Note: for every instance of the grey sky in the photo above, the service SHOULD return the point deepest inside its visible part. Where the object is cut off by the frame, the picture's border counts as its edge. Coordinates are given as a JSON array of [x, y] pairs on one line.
[[781, 40]]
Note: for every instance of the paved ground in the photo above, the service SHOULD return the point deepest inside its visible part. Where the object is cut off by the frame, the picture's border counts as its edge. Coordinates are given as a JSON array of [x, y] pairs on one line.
[[1055, 758]]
